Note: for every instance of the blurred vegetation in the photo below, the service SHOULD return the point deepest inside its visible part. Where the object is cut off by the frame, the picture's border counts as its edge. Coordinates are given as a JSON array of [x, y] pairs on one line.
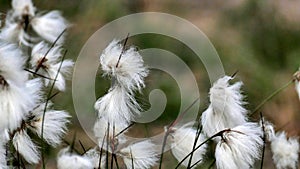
[[260, 39]]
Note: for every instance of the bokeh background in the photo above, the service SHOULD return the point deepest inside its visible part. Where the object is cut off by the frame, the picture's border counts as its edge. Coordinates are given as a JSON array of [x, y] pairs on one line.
[[260, 39]]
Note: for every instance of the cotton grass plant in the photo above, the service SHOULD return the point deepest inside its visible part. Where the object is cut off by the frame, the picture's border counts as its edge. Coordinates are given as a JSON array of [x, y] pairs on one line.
[[29, 78]]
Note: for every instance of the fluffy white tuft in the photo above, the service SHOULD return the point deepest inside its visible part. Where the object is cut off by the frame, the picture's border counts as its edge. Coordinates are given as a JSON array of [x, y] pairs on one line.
[[23, 7], [94, 156], [183, 142], [26, 147], [67, 160], [240, 147], [117, 106], [16, 102], [50, 66], [3, 163], [285, 151], [226, 109], [130, 72], [12, 63], [144, 155], [54, 124], [49, 26], [101, 132]]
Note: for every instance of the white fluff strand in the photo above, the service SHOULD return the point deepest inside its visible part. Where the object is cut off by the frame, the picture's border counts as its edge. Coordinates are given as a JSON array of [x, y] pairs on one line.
[[50, 25], [67, 160], [55, 124], [183, 142], [144, 155], [50, 65], [285, 151], [117, 106], [226, 109], [128, 70], [239, 147], [26, 147]]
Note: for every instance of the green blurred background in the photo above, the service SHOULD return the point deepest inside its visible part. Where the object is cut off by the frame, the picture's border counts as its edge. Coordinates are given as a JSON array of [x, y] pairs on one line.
[[260, 39]]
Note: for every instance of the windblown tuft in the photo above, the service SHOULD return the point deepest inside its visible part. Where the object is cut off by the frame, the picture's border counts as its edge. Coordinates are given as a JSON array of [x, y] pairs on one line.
[[183, 142], [226, 109], [239, 147], [285, 151], [130, 71], [26, 147], [49, 66], [143, 154]]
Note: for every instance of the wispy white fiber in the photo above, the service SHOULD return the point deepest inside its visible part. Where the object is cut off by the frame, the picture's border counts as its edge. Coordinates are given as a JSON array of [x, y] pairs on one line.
[[3, 163], [144, 155], [23, 7], [54, 124], [50, 65], [68, 160], [117, 106], [269, 131], [285, 151], [49, 26], [226, 109], [94, 156], [12, 63], [297, 82], [14, 33], [240, 147], [102, 130], [130, 72], [183, 142], [16, 102], [26, 147]]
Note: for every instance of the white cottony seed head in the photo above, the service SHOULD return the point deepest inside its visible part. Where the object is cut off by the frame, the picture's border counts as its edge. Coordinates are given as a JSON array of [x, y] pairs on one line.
[[226, 109], [285, 151], [239, 147]]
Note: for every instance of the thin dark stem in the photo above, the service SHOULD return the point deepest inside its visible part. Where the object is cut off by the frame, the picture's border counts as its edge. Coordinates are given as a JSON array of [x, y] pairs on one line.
[[271, 96], [194, 164], [122, 131], [163, 148], [264, 139], [101, 151], [45, 109], [220, 133], [84, 150], [131, 156], [199, 129], [169, 129], [123, 50], [116, 160], [30, 71], [52, 45], [112, 148]]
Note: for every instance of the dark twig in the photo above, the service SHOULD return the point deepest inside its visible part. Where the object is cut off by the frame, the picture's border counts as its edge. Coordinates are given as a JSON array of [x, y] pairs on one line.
[[264, 139], [199, 130], [45, 109], [123, 50], [52, 45], [169, 130], [122, 131], [83, 148], [220, 133], [30, 71]]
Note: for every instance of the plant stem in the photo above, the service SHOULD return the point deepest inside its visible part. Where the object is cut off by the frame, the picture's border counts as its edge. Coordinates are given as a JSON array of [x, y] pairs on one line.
[[271, 96], [199, 129], [45, 109], [264, 139]]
